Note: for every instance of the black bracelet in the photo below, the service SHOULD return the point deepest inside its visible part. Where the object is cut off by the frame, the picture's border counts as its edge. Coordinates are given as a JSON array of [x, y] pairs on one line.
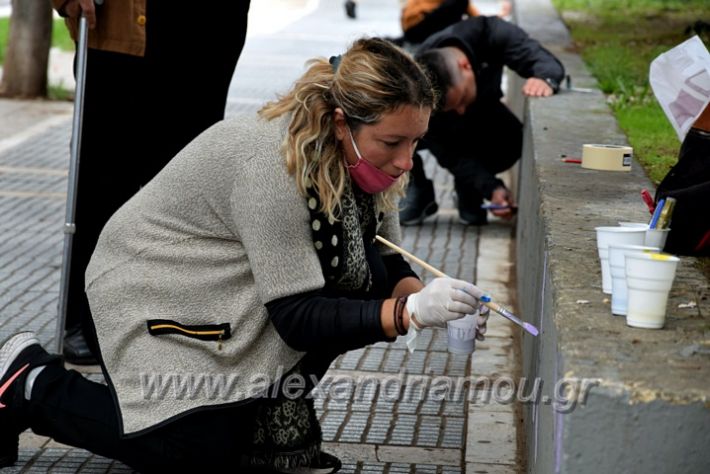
[[400, 314], [394, 316], [399, 306]]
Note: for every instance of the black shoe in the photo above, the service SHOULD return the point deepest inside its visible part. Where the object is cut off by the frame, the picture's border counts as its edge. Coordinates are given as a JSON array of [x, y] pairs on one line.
[[418, 204], [18, 355], [325, 464], [350, 9], [470, 212], [469, 201], [76, 349], [466, 217]]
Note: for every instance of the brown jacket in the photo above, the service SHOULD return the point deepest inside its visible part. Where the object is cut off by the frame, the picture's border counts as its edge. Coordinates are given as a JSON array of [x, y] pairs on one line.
[[415, 10], [120, 26]]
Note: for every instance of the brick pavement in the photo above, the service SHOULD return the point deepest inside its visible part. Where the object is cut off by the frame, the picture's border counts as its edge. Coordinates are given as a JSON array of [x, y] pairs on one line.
[[367, 425]]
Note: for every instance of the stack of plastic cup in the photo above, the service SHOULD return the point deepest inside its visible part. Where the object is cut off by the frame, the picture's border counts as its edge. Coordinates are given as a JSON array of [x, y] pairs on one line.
[[617, 267], [649, 277], [615, 235]]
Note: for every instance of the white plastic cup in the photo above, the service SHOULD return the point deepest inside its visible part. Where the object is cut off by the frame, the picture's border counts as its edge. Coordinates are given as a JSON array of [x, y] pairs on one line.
[[649, 277], [462, 334], [617, 267], [634, 224], [615, 235], [656, 237]]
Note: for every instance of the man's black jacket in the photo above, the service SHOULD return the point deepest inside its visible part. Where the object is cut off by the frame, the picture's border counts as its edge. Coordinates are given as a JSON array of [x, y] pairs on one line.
[[491, 43]]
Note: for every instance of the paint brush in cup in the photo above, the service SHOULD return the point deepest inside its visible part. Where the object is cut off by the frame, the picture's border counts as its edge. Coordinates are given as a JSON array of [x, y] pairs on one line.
[[664, 220], [656, 214], [485, 299]]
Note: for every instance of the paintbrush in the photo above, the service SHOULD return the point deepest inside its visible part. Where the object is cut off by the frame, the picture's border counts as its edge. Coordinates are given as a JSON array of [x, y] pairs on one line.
[[485, 299]]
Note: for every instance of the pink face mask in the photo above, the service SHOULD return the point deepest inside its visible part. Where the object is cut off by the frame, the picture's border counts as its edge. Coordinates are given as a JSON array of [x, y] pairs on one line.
[[367, 176]]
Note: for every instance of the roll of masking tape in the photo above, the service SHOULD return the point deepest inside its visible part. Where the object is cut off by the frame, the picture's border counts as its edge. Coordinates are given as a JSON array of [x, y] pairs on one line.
[[607, 157]]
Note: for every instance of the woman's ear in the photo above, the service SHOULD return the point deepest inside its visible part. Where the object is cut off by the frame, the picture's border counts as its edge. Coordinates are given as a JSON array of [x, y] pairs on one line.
[[341, 125]]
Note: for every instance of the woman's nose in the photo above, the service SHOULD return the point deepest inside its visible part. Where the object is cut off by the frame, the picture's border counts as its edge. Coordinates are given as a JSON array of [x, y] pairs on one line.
[[404, 160]]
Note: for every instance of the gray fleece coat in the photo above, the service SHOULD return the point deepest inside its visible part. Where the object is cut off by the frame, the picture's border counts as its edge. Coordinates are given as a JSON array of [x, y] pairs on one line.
[[180, 275]]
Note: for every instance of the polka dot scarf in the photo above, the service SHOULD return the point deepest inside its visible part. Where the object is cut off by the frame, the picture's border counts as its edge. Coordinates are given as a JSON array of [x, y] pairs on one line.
[[340, 244]]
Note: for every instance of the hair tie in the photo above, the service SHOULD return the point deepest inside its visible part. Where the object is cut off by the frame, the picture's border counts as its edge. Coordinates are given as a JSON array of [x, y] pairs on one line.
[[335, 61]]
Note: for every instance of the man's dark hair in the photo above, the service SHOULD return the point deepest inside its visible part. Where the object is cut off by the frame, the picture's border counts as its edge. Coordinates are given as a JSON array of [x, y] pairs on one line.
[[436, 64]]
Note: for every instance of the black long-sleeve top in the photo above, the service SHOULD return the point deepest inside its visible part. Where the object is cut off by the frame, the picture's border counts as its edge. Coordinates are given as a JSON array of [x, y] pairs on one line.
[[327, 319]]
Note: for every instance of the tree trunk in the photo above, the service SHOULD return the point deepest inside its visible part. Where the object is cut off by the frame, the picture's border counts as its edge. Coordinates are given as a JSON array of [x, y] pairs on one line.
[[27, 57]]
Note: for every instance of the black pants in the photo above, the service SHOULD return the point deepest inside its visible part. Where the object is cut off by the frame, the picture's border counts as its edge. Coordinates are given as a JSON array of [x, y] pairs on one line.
[[75, 411], [474, 147], [140, 111]]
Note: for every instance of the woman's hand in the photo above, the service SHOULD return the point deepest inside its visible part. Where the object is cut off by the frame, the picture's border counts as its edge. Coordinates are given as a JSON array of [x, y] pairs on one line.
[[442, 300]]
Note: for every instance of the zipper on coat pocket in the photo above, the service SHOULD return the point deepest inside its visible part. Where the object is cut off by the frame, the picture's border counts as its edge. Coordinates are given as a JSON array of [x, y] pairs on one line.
[[203, 332]]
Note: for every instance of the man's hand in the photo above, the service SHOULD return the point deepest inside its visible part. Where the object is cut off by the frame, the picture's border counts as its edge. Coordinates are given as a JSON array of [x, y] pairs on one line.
[[535, 87], [501, 196], [73, 9]]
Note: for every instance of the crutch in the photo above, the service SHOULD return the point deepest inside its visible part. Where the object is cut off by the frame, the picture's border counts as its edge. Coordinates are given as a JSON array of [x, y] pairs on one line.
[[73, 180]]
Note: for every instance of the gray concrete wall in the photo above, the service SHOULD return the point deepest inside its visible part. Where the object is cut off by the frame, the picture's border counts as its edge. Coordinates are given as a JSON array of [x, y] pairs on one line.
[[649, 410]]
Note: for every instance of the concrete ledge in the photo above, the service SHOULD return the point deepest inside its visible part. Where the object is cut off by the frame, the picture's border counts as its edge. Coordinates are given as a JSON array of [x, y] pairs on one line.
[[650, 409]]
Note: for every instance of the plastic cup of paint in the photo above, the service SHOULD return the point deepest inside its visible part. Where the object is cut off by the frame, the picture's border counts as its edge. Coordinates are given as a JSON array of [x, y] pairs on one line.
[[649, 278], [617, 267], [462, 334], [615, 235], [657, 237]]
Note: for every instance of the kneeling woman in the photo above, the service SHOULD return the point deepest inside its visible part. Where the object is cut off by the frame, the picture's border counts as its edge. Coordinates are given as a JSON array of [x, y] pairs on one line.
[[233, 279]]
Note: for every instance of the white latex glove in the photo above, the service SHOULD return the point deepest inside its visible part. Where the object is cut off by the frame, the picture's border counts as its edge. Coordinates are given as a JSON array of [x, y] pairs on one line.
[[482, 322], [442, 300]]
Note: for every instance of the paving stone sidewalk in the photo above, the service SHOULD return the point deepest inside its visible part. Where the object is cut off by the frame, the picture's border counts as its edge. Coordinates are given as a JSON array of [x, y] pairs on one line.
[[368, 425]]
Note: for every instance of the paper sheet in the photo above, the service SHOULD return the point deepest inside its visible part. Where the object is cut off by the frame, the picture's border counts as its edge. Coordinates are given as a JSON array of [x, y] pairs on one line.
[[680, 79]]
